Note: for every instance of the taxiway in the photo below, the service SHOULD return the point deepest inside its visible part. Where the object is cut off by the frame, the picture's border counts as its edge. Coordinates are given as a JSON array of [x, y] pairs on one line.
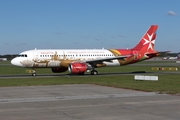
[[85, 102]]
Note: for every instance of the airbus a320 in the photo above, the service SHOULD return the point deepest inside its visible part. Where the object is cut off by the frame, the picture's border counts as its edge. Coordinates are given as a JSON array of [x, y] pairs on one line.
[[79, 61]]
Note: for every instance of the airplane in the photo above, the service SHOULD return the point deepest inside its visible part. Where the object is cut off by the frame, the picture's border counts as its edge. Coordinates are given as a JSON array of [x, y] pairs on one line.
[[79, 61]]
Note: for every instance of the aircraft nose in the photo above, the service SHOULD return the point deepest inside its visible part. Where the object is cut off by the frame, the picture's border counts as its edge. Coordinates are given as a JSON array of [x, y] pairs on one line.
[[16, 62]]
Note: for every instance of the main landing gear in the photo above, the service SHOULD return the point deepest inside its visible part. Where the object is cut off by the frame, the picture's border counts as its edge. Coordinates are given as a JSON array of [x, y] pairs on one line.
[[94, 72]]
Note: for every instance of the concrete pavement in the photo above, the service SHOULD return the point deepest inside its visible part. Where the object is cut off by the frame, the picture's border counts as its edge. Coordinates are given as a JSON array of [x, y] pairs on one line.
[[85, 102]]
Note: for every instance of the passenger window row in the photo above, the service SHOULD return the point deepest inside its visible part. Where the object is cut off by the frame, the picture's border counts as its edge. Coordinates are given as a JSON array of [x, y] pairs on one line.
[[75, 55]]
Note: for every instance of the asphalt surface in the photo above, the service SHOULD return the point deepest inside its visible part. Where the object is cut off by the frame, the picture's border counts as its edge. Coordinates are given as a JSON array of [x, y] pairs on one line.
[[85, 102], [86, 75]]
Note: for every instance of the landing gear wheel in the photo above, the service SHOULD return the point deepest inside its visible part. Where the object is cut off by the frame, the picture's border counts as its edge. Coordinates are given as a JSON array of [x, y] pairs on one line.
[[34, 74], [94, 72]]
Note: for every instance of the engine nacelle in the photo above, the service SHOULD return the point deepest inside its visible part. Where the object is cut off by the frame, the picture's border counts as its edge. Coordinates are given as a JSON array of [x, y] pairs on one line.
[[59, 69], [78, 68]]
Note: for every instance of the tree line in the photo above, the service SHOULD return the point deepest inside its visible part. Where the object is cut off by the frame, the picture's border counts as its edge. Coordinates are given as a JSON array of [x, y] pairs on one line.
[[9, 56]]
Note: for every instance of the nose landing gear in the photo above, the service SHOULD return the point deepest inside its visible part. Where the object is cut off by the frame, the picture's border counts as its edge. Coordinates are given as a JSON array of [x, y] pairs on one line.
[[34, 72]]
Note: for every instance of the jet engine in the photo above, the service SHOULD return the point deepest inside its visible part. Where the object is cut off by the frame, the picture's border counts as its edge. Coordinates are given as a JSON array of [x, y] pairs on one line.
[[59, 69], [78, 68]]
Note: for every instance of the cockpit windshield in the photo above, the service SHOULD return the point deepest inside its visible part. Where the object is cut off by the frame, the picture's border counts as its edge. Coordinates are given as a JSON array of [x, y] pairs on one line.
[[22, 55]]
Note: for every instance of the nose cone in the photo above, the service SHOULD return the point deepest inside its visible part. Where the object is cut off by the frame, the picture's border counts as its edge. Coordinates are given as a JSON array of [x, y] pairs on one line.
[[16, 62]]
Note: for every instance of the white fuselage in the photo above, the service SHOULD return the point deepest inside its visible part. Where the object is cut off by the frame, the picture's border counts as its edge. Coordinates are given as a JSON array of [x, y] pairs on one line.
[[39, 58]]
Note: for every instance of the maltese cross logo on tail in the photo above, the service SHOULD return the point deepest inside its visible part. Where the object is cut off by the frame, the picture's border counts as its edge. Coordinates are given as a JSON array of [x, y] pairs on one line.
[[149, 41]]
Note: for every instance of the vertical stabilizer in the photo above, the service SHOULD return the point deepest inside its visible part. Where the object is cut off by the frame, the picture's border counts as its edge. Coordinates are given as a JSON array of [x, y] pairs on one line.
[[146, 44]]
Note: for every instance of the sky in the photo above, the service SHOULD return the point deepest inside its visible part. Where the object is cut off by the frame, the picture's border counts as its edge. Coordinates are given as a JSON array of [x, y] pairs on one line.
[[86, 24]]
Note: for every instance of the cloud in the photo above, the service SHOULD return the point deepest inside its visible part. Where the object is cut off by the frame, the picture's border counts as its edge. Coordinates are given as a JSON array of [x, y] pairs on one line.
[[58, 33], [22, 43], [96, 39], [171, 13], [122, 36], [113, 36], [76, 43], [6, 43]]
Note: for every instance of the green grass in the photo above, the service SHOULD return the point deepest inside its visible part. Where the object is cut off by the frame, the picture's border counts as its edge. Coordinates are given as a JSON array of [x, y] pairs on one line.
[[5, 62], [167, 83], [7, 69]]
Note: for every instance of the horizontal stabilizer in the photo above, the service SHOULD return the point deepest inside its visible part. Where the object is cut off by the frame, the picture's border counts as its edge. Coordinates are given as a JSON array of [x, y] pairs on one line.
[[157, 53], [162, 52], [152, 54]]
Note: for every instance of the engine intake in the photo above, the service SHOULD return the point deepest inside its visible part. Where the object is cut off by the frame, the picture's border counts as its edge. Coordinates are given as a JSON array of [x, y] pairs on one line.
[[78, 68]]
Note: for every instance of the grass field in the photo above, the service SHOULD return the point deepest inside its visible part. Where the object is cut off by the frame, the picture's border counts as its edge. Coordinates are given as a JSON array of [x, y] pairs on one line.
[[167, 83]]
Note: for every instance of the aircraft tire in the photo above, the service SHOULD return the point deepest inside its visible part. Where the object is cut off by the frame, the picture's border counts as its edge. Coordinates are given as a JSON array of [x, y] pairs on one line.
[[94, 72], [34, 74]]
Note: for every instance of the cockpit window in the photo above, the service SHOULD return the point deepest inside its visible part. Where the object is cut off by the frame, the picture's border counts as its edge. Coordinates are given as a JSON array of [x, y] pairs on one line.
[[22, 55]]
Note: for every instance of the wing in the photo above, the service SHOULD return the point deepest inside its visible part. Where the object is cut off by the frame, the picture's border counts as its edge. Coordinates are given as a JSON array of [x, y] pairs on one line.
[[65, 63], [109, 59]]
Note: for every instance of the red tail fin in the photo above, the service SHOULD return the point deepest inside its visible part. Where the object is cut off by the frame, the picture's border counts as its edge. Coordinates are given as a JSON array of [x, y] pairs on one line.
[[146, 44]]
